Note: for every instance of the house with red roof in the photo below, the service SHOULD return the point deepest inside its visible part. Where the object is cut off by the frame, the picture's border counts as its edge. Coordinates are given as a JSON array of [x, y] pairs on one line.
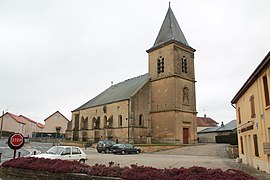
[[31, 126], [11, 123], [205, 122]]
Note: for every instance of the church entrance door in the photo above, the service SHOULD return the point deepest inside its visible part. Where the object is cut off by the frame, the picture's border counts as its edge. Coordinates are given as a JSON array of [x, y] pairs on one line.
[[185, 135]]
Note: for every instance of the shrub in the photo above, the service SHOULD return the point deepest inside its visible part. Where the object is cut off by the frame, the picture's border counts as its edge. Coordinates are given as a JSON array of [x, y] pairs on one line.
[[134, 172]]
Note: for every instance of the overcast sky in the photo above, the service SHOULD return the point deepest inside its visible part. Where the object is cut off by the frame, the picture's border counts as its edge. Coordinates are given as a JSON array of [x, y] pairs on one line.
[[58, 54]]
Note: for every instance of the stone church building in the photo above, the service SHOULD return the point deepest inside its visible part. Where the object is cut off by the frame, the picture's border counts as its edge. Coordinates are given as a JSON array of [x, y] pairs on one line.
[[157, 107]]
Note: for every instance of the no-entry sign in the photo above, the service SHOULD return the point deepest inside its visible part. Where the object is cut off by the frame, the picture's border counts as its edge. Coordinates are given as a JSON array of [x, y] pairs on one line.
[[16, 141]]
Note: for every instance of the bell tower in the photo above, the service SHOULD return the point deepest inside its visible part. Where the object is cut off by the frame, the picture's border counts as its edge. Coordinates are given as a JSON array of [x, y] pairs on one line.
[[172, 77]]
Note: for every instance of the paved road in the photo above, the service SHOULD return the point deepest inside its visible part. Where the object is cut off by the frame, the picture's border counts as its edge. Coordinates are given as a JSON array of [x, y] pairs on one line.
[[27, 149], [7, 153], [213, 150], [207, 155]]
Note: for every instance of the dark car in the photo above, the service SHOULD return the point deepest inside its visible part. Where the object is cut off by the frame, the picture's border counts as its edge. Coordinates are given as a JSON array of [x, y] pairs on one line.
[[125, 149], [105, 146]]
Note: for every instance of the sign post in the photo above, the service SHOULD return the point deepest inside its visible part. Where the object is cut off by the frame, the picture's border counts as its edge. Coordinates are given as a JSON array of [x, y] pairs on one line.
[[15, 141]]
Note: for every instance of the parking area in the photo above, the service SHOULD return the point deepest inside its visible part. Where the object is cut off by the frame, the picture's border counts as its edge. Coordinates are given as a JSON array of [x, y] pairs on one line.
[[206, 155], [163, 159]]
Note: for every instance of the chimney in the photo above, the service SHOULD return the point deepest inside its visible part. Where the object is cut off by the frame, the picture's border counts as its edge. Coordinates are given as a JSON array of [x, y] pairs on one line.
[[205, 117]]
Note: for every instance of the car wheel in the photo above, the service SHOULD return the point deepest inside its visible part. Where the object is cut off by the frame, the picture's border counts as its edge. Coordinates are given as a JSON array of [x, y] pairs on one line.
[[82, 161], [137, 152], [99, 151], [123, 152], [107, 150]]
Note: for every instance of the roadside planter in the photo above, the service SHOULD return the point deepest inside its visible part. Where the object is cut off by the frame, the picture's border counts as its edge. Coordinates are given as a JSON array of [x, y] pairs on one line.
[[40, 168]]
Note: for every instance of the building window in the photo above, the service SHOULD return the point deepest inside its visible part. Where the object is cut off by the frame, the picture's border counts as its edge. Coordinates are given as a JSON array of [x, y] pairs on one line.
[[94, 123], [255, 140], [140, 120], [239, 115], [266, 91], [184, 64], [110, 121], [160, 65], [105, 122], [120, 121], [58, 129], [98, 122], [242, 145], [252, 106], [84, 123]]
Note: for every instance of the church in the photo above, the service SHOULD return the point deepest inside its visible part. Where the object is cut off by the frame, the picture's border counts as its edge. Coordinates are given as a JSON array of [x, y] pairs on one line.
[[157, 107]]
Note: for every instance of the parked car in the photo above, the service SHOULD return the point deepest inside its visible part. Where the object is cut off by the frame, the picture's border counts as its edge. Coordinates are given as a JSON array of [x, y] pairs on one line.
[[125, 149], [105, 146], [65, 153]]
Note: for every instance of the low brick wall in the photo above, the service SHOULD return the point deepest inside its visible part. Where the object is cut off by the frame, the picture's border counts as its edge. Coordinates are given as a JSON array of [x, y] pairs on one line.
[[150, 149], [23, 174]]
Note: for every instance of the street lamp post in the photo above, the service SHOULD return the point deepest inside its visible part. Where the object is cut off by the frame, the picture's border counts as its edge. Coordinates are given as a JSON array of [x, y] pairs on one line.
[[2, 125]]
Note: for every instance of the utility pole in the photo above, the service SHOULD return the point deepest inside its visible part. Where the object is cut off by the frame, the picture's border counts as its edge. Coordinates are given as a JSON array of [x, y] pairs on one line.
[[2, 125]]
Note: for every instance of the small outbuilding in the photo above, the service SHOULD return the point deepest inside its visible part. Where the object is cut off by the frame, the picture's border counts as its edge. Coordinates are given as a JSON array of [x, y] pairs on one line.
[[221, 134]]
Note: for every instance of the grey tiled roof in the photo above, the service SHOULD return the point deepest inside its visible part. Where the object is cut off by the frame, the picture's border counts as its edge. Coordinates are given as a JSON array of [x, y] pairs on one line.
[[117, 92], [227, 127], [208, 130], [170, 30]]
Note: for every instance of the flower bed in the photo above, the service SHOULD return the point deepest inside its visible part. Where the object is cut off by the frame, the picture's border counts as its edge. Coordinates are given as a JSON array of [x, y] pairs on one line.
[[132, 173]]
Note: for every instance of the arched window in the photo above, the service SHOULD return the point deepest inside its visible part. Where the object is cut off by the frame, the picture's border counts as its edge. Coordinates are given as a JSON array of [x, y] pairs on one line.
[[98, 122], [120, 121], [160, 65], [85, 123], [105, 121], [94, 124], [184, 64], [82, 123], [140, 120], [110, 121]]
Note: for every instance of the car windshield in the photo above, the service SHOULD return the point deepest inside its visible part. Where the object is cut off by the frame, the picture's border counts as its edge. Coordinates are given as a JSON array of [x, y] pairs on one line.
[[55, 150]]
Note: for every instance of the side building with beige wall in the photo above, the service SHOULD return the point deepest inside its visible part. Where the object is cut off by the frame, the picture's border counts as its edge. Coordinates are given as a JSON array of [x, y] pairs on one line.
[[252, 103], [56, 123]]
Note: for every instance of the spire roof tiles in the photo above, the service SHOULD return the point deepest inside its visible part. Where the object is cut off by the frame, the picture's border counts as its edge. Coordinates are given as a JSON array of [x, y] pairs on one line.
[[170, 30]]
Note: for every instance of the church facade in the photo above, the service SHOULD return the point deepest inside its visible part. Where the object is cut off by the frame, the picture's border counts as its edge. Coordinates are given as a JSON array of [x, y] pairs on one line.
[[157, 107]]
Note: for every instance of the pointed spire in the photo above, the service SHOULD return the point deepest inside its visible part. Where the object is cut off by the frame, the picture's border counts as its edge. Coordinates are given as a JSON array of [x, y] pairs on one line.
[[170, 30]]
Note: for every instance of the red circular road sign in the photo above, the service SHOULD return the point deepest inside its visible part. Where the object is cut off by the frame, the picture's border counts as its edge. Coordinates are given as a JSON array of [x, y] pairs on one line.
[[16, 141]]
